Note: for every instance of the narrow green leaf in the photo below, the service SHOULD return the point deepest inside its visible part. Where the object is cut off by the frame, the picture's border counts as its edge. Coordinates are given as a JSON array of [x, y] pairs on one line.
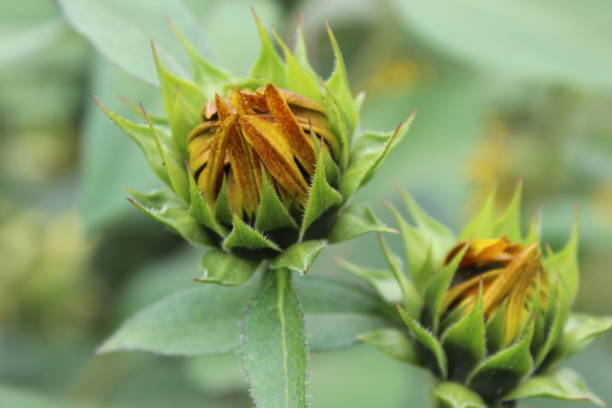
[[201, 211], [411, 299], [144, 137], [392, 342], [202, 320], [269, 66], [429, 349], [225, 269], [482, 225], [371, 150], [271, 212], [464, 343], [339, 87], [580, 331], [163, 207], [383, 282], [274, 352], [299, 79], [183, 101], [321, 197], [243, 236], [564, 265], [453, 395], [563, 384], [299, 257], [354, 221], [509, 223], [503, 371], [209, 77]]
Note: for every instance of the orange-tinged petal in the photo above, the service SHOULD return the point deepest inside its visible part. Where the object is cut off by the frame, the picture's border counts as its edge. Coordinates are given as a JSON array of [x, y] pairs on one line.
[[267, 141], [243, 171], [199, 151], [464, 289], [300, 143], [212, 177], [294, 99]]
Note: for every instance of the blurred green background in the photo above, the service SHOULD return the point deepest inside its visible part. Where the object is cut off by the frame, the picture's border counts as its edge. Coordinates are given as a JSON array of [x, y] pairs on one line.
[[505, 91]]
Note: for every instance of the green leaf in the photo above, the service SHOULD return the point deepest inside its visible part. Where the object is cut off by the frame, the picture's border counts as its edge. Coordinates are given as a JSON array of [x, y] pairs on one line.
[[321, 196], [464, 343], [243, 236], [509, 223], [299, 79], [271, 212], [349, 309], [564, 265], [580, 331], [225, 269], [411, 299], [274, 352], [483, 224], [183, 101], [299, 257], [203, 320], [118, 31], [371, 149], [563, 384], [429, 349], [201, 211], [145, 138], [503, 371], [269, 65], [209, 77], [163, 207], [557, 31], [453, 395], [354, 221], [383, 282], [338, 85], [392, 342]]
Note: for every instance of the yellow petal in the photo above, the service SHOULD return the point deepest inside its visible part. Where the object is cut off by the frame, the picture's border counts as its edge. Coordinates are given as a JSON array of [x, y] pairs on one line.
[[212, 177]]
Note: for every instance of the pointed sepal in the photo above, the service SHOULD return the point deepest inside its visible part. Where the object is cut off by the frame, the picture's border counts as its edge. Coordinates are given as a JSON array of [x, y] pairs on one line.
[[222, 268], [299, 257], [393, 343], [354, 221]]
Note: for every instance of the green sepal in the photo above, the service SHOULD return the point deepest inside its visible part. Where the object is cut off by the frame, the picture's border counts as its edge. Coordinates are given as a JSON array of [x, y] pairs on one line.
[[201, 211], [354, 221], [299, 257], [209, 77], [371, 149], [393, 343], [243, 236], [271, 212], [225, 269], [299, 79], [465, 342], [182, 102], [564, 266], [500, 373], [453, 395], [384, 283], [411, 299], [338, 85], [269, 65], [580, 331], [162, 206], [337, 123], [496, 328], [563, 384], [429, 350], [482, 225], [534, 229], [436, 290], [144, 137], [556, 318], [223, 211], [321, 196], [301, 51], [509, 223], [177, 175]]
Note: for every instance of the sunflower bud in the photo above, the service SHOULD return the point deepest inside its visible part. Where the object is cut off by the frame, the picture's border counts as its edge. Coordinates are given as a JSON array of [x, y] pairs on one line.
[[486, 309], [261, 167]]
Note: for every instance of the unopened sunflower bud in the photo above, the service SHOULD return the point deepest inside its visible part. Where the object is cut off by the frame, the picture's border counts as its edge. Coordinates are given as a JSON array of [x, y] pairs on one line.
[[486, 310], [259, 167]]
